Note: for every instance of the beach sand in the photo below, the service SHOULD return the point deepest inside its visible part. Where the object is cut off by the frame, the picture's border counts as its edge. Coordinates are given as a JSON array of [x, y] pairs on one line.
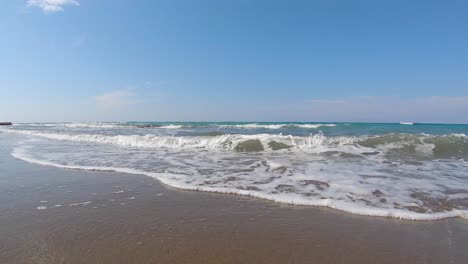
[[51, 215]]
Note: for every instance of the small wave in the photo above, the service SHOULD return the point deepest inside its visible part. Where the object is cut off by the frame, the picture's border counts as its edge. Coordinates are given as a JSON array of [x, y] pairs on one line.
[[315, 125], [225, 141], [406, 123], [76, 125], [173, 126], [160, 126], [277, 126], [451, 145], [460, 135], [110, 125], [99, 125], [435, 145], [255, 126], [93, 125]]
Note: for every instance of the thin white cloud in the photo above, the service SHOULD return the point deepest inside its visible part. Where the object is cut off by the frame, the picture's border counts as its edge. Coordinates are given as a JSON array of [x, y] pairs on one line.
[[52, 5], [117, 99]]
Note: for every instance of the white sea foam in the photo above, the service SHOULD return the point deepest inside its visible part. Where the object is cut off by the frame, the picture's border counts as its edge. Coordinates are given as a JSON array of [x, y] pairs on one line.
[[358, 188], [318, 143], [277, 126], [75, 125], [172, 126], [221, 142], [255, 126], [406, 123], [92, 125], [460, 135], [78, 204], [314, 125]]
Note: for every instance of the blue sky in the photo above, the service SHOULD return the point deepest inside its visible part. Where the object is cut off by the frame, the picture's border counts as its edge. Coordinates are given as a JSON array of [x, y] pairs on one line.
[[88, 60]]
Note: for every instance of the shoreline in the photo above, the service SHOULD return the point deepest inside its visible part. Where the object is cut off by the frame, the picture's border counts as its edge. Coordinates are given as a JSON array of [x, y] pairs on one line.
[[250, 194], [135, 219]]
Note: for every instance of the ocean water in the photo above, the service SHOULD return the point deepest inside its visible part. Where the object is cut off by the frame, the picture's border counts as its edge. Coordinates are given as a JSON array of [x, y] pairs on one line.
[[403, 170]]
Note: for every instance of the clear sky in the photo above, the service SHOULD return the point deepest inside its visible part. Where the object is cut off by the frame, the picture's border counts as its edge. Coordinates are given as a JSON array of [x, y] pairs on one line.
[[329, 60]]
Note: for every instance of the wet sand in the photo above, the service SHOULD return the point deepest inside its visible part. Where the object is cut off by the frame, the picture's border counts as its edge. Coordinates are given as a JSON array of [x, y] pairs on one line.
[[52, 215]]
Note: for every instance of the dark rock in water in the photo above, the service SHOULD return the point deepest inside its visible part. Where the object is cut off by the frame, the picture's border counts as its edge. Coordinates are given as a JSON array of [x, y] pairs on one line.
[[278, 145], [251, 145], [6, 123]]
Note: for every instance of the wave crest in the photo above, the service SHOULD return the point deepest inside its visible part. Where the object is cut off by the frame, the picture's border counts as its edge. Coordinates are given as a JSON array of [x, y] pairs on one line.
[[437, 145]]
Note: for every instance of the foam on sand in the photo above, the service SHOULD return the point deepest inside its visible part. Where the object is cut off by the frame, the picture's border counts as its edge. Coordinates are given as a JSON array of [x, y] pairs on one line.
[[371, 193]]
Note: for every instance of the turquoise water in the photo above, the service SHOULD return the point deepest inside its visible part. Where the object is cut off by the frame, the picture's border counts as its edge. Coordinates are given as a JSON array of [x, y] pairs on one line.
[[337, 128], [410, 171]]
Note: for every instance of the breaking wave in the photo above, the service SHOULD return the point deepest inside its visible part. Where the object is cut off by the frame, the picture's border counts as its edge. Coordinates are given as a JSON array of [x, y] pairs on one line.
[[277, 126], [436, 145]]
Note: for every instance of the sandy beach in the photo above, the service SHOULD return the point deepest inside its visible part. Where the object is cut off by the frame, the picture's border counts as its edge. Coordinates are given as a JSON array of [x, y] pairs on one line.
[[263, 132], [52, 215]]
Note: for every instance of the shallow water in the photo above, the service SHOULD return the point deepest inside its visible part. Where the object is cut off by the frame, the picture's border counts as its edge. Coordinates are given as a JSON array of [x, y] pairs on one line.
[[411, 171]]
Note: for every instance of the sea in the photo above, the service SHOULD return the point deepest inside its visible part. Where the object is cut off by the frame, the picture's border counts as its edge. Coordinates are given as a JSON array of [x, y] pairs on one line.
[[399, 170]]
